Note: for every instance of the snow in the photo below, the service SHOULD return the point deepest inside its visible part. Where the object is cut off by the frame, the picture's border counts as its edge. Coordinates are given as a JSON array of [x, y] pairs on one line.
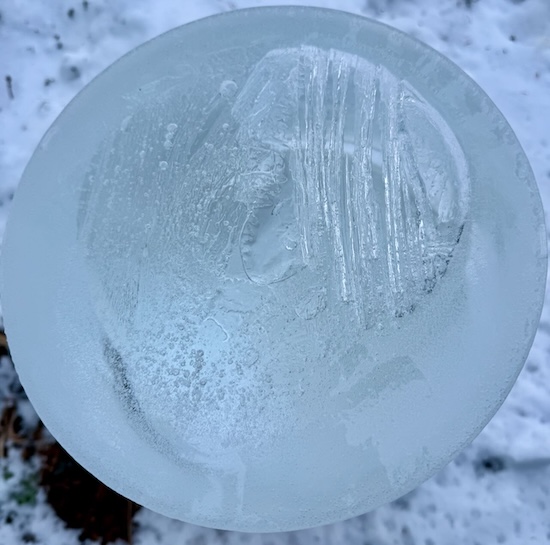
[[24, 512], [498, 489]]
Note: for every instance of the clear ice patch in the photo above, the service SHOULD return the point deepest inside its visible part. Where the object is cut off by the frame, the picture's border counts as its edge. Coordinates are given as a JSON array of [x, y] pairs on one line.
[[371, 178]]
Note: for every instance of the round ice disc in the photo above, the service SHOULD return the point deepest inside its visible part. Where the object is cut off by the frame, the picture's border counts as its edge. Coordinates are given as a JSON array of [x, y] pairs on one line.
[[273, 269]]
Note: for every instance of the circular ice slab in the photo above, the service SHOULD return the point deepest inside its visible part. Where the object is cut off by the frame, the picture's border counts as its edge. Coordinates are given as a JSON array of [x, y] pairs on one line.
[[273, 269]]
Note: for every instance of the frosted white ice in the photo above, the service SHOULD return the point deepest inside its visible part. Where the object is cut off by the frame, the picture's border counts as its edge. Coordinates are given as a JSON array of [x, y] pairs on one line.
[[267, 268]]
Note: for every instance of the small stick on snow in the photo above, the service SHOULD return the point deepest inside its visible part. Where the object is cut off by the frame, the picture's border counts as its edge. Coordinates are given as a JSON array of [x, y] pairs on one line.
[[10, 87]]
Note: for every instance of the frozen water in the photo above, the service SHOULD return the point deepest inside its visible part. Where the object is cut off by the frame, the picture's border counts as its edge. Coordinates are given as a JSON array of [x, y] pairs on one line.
[[268, 266], [335, 177], [376, 183]]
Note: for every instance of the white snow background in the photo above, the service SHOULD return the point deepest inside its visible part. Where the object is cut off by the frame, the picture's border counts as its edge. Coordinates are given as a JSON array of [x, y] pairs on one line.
[[498, 489]]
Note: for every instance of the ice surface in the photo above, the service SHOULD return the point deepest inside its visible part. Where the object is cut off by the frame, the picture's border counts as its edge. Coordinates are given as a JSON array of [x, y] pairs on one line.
[[378, 183], [282, 259], [323, 171]]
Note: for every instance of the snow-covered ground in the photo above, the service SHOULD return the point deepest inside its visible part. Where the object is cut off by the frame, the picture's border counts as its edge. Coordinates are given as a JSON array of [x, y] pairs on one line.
[[498, 489]]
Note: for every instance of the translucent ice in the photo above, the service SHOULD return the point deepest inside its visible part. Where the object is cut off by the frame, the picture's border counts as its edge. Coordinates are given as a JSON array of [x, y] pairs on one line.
[[334, 174], [378, 183], [282, 280]]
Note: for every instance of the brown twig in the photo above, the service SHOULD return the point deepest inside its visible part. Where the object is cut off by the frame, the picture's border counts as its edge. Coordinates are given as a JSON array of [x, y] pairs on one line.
[[9, 86], [7, 421], [130, 516], [4, 348], [30, 442]]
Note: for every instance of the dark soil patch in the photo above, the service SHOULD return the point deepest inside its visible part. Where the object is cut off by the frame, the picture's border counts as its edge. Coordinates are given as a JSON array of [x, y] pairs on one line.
[[82, 501]]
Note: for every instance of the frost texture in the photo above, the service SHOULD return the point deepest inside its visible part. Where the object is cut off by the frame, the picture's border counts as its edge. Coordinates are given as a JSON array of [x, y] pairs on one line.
[[320, 159], [228, 235], [378, 181]]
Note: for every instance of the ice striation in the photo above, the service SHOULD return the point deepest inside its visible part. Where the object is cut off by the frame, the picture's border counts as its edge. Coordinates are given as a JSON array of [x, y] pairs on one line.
[[317, 190], [352, 166]]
